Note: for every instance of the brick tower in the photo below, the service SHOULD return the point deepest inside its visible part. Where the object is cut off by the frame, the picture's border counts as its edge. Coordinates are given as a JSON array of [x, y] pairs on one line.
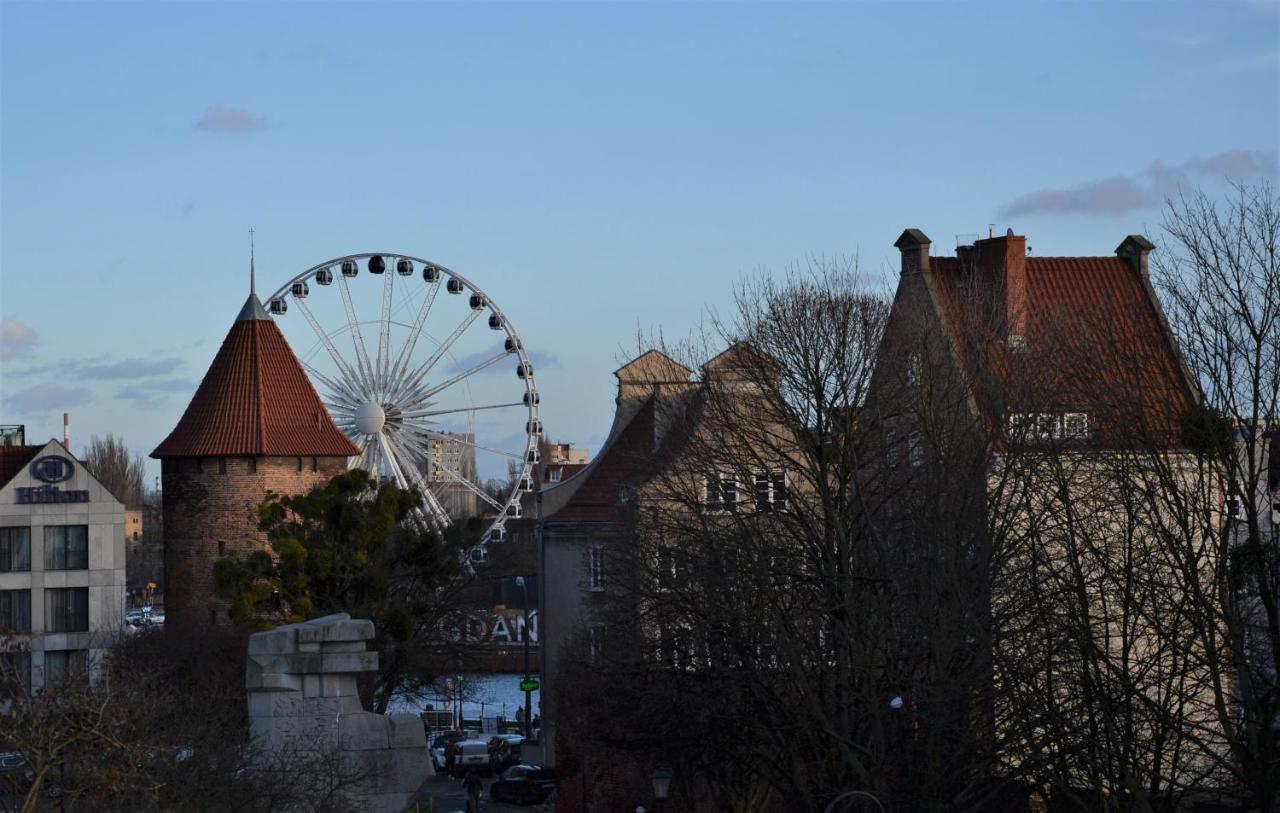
[[254, 425]]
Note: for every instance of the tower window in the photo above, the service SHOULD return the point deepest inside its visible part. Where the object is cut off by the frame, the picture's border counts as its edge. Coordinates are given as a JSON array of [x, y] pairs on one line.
[[299, 465], [222, 465], [222, 547], [253, 465], [315, 465]]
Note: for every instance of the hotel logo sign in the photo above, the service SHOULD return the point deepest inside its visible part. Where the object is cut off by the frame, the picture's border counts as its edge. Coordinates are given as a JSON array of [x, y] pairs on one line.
[[51, 469]]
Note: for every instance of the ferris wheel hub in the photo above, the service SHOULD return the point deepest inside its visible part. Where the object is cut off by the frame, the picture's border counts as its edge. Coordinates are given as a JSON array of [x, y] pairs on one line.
[[370, 418]]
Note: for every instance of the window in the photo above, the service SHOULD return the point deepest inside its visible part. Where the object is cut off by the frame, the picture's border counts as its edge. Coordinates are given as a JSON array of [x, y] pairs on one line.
[[15, 550], [915, 451], [253, 465], [595, 568], [597, 643], [1234, 508], [222, 465], [720, 493], [222, 547], [914, 370], [1075, 425], [65, 664], [673, 567], [66, 547], [15, 673], [299, 465], [553, 474], [771, 491], [66, 609], [315, 464], [15, 611], [200, 465]]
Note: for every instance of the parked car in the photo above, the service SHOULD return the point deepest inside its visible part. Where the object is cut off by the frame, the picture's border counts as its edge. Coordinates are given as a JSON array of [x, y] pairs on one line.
[[523, 785], [504, 751], [471, 754], [437, 748]]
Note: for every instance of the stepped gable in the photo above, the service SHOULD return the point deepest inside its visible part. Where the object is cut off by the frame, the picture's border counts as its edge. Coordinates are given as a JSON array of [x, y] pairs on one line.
[[255, 400]]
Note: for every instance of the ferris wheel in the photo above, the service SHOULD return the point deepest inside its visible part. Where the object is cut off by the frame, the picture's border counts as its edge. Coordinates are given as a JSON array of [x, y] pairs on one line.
[[437, 392]]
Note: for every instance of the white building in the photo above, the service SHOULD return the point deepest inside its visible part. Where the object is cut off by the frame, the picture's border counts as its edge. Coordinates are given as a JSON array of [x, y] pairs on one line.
[[62, 563]]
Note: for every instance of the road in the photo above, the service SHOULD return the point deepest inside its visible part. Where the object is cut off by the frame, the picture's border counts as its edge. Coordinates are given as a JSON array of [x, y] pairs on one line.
[[444, 794]]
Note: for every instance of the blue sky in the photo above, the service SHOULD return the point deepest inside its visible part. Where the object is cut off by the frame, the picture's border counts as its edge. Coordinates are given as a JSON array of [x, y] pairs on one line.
[[597, 168]]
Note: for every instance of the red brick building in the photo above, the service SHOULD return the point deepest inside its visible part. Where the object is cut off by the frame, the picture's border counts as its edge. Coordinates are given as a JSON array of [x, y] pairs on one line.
[[254, 425]]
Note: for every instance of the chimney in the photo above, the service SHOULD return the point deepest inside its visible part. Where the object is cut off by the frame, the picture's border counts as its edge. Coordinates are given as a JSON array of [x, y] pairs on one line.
[[1135, 249], [66, 431], [914, 245], [1004, 262]]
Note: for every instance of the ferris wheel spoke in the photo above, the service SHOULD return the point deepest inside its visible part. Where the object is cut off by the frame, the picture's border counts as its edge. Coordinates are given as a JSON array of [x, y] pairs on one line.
[[339, 391], [329, 346], [452, 438], [411, 341], [434, 510], [357, 338], [432, 412], [455, 477], [384, 334], [414, 379], [464, 374]]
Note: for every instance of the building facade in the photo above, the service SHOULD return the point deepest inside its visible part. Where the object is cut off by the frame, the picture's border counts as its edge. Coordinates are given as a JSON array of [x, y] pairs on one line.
[[255, 425], [62, 564]]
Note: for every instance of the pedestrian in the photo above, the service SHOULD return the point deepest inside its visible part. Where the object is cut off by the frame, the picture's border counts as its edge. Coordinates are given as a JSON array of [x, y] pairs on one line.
[[473, 786], [450, 756]]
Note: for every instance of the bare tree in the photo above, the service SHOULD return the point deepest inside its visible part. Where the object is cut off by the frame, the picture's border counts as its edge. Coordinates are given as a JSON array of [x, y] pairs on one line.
[[108, 459]]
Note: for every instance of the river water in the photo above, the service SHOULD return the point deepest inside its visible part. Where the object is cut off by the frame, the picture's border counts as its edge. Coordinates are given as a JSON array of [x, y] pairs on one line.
[[491, 695]]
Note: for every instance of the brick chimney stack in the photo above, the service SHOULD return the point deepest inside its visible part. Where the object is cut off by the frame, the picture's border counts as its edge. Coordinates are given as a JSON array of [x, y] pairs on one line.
[[1135, 249], [1004, 261], [914, 245]]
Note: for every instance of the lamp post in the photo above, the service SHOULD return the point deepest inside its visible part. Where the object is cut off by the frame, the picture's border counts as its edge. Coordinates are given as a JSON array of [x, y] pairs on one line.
[[528, 695], [661, 786]]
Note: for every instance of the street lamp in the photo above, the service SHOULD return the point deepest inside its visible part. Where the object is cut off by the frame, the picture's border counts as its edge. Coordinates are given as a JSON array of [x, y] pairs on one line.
[[528, 695], [661, 785]]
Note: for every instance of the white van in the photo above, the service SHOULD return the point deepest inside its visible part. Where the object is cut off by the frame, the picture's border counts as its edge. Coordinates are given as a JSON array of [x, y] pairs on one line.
[[471, 754]]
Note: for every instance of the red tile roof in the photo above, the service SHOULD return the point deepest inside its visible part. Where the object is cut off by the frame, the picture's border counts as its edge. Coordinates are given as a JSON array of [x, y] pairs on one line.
[[1096, 342], [255, 400], [13, 458], [621, 463]]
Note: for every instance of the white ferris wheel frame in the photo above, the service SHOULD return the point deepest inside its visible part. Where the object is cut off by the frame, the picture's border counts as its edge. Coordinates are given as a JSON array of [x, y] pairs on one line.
[[375, 378]]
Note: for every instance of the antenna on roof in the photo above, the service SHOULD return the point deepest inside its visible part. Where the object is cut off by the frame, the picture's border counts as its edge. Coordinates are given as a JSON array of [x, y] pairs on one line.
[[252, 281], [991, 230], [1008, 232]]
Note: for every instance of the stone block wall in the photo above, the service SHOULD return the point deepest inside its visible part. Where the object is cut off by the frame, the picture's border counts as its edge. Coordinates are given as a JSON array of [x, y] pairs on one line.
[[301, 681], [211, 508]]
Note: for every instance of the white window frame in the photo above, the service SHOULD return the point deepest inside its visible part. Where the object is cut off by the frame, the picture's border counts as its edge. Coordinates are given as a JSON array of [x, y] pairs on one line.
[[723, 484], [772, 501], [595, 568]]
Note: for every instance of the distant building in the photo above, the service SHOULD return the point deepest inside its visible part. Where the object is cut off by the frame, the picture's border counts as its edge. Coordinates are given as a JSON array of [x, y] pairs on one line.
[[560, 461], [62, 564], [13, 435], [452, 456], [254, 425]]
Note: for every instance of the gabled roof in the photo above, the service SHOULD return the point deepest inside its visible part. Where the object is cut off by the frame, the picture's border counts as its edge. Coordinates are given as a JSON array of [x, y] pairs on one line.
[[255, 400], [13, 459], [653, 366], [622, 462], [1095, 340]]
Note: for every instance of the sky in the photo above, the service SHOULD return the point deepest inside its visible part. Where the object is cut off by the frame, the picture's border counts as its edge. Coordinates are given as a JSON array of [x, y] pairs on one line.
[[599, 169]]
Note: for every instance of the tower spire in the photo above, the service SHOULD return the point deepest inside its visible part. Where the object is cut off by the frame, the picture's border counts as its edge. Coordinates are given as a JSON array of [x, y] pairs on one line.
[[252, 282]]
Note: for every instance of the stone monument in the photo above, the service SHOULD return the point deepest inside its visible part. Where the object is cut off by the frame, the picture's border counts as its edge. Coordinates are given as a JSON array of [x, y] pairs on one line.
[[302, 700]]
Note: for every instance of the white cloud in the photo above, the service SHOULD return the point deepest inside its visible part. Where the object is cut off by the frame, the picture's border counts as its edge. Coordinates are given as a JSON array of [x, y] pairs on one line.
[[1141, 190], [220, 118], [15, 338]]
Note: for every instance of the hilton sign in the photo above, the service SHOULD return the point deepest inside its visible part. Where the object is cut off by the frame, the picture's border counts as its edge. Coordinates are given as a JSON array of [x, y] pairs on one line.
[[51, 469]]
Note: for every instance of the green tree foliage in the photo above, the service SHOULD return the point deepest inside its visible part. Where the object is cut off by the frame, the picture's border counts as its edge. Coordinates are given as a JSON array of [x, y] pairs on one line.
[[351, 545]]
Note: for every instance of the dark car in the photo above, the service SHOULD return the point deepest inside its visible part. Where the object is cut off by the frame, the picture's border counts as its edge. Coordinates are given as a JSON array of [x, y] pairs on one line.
[[523, 785]]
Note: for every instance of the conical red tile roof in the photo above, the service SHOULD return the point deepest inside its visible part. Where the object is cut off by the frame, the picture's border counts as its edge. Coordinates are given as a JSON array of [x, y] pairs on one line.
[[255, 400]]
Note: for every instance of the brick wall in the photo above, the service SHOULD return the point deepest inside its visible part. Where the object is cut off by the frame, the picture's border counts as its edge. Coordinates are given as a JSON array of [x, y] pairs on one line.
[[214, 500]]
